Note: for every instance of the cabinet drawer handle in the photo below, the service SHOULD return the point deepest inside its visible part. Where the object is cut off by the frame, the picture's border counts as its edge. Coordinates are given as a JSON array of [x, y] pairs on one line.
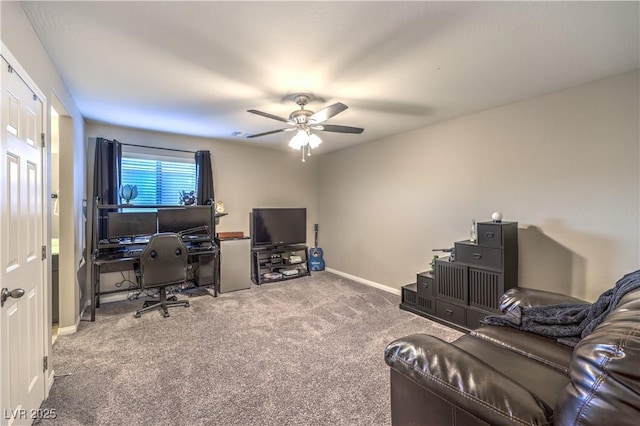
[[489, 234], [477, 255], [449, 312]]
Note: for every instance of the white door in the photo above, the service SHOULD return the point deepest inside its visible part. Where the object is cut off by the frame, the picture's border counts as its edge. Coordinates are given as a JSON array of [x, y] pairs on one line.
[[21, 265]]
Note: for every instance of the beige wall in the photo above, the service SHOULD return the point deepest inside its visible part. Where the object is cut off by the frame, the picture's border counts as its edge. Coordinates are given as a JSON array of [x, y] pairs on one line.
[[19, 37], [244, 177], [565, 166]]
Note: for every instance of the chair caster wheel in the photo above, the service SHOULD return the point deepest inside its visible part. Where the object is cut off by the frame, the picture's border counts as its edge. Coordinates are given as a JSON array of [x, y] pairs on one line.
[[172, 298], [166, 315], [137, 315], [187, 305]]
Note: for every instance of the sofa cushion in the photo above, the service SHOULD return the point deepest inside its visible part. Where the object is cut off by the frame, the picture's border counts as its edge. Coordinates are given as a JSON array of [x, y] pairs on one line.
[[540, 379], [542, 349]]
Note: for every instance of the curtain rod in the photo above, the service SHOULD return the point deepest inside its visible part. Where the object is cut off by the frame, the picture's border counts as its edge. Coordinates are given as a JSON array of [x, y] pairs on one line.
[[157, 147]]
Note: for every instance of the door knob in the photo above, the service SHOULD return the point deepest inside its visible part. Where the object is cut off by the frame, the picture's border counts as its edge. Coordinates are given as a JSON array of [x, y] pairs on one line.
[[16, 293]]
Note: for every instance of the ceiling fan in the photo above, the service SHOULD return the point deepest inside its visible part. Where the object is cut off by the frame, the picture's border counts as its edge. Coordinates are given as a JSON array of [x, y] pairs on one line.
[[306, 120]]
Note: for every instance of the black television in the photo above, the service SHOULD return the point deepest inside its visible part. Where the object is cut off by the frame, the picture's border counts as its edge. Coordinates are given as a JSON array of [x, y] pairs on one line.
[[191, 219], [278, 226]]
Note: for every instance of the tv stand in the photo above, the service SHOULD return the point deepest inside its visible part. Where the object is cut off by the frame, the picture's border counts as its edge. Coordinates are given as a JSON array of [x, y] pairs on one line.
[[278, 263]]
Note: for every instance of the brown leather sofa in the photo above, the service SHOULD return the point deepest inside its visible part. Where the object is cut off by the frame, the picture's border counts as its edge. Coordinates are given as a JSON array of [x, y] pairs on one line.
[[503, 376]]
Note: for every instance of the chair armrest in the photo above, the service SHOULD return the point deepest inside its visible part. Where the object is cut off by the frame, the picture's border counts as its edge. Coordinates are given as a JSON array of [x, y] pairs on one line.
[[526, 297], [465, 381]]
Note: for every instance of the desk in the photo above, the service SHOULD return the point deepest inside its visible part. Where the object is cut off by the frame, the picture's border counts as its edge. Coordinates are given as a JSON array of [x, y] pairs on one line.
[[129, 252]]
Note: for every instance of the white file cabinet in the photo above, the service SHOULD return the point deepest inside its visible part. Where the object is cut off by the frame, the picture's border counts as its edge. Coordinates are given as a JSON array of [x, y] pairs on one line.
[[235, 265]]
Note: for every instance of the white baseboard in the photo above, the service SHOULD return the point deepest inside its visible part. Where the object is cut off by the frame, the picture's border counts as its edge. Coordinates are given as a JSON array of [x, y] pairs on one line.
[[118, 297], [50, 381], [62, 331], [379, 286], [115, 297]]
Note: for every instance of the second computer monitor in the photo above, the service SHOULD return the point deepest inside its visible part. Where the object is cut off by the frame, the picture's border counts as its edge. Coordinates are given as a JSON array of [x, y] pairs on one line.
[[186, 220], [131, 224]]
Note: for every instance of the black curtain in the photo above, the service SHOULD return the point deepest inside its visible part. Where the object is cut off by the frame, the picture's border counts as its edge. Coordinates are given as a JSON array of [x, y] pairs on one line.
[[106, 179], [204, 178]]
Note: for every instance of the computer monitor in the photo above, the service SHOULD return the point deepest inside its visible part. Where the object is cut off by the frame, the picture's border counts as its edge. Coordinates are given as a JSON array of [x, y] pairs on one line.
[[132, 224], [186, 220]]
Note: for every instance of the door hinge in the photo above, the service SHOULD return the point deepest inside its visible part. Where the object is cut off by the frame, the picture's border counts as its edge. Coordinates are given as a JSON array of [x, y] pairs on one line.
[[44, 252], [45, 363], [10, 69], [42, 139]]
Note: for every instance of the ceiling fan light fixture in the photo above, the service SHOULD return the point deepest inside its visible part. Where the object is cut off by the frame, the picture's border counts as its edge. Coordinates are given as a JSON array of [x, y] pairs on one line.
[[314, 140], [305, 140], [299, 140]]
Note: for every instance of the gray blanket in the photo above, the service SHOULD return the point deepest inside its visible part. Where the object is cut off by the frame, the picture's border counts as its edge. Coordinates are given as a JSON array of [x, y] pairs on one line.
[[567, 322]]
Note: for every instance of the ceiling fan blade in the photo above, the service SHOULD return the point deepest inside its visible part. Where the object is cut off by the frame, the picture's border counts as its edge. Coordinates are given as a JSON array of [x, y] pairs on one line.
[[268, 133], [328, 112], [338, 129], [266, 114]]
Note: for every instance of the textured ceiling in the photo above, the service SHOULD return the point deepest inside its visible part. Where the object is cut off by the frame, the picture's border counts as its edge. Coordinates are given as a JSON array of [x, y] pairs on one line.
[[195, 67]]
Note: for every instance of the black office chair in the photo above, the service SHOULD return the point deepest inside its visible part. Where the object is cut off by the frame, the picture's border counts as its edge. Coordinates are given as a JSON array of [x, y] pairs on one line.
[[163, 262]]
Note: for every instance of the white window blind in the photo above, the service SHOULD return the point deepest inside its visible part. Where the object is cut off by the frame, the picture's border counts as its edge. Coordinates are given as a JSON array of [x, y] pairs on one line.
[[159, 178]]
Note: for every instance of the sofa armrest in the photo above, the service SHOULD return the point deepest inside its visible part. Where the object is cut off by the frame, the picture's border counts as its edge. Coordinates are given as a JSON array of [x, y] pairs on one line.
[[465, 381], [526, 297]]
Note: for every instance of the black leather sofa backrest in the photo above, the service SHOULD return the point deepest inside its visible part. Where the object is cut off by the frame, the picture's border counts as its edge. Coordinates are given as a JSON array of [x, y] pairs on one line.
[[605, 372]]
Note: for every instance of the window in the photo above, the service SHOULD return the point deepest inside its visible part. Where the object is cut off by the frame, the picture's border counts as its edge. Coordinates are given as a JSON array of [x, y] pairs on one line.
[[159, 178]]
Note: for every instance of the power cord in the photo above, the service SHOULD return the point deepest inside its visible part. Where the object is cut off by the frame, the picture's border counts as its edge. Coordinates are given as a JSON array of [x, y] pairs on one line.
[[132, 284]]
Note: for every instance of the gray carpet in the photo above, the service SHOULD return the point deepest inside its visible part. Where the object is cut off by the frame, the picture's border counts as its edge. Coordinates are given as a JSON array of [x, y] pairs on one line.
[[301, 352]]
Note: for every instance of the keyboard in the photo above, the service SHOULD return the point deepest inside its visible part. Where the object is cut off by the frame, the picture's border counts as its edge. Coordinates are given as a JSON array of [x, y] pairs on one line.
[[114, 255], [195, 249]]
